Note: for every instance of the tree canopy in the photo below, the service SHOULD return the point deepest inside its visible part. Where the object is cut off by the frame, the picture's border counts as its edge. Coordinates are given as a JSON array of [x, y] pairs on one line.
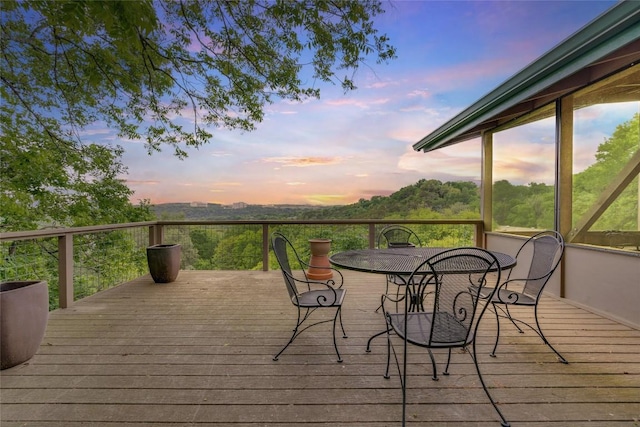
[[136, 67], [424, 199], [611, 156]]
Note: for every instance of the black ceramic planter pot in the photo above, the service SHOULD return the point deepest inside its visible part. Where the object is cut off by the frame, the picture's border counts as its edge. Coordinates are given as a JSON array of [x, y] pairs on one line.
[[24, 311], [164, 262]]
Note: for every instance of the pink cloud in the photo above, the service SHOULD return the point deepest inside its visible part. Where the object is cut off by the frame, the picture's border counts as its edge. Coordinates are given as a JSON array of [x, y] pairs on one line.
[[421, 93], [360, 103], [301, 162], [228, 184], [141, 182], [327, 199], [522, 163], [380, 85]]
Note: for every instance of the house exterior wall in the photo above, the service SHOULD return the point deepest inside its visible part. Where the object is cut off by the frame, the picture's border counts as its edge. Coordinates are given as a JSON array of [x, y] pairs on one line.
[[607, 281], [603, 281]]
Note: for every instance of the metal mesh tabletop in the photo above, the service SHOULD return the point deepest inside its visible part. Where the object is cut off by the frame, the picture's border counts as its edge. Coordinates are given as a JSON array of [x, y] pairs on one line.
[[402, 261]]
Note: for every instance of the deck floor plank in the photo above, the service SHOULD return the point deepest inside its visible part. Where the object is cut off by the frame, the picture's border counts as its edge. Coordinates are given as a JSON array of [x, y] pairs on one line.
[[199, 352]]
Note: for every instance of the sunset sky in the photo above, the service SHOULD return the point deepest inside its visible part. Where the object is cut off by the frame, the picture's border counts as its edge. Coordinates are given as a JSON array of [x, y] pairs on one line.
[[345, 147]]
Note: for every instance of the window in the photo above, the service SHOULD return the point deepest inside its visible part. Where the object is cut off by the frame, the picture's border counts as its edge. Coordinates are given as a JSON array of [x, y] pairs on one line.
[[605, 193], [606, 141], [524, 173]]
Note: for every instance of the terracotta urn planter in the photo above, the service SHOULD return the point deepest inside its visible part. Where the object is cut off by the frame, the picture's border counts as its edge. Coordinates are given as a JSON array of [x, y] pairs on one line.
[[319, 265], [164, 262], [24, 311]]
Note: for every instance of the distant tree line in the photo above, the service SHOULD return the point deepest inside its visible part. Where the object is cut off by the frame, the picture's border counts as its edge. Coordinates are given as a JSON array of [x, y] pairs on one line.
[[215, 211]]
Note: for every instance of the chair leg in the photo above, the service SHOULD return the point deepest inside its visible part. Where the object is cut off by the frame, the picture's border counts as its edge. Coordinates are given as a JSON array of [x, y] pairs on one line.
[[390, 348], [503, 421], [375, 336], [433, 365], [397, 296], [297, 331], [344, 335], [386, 291], [495, 346], [446, 368], [293, 336], [544, 339], [386, 372], [537, 330], [403, 382], [506, 307], [507, 314]]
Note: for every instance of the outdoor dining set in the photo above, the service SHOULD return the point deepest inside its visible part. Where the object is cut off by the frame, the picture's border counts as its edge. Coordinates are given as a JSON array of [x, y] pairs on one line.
[[435, 298]]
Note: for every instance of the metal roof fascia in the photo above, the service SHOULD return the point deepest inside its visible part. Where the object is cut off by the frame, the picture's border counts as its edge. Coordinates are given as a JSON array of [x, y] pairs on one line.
[[445, 139], [578, 51]]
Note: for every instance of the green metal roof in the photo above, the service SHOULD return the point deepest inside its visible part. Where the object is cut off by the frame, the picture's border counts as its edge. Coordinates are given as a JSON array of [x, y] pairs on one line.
[[607, 44]]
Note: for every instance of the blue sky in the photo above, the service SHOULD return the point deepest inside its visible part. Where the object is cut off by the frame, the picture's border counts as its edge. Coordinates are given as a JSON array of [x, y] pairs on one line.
[[345, 147]]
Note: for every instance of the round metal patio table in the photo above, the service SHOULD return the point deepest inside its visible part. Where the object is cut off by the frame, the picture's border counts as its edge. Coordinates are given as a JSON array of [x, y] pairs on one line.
[[402, 262]]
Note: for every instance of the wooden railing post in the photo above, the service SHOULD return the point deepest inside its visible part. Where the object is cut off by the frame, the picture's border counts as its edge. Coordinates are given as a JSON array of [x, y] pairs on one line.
[[152, 235], [265, 247], [479, 235], [156, 234], [65, 270], [372, 236]]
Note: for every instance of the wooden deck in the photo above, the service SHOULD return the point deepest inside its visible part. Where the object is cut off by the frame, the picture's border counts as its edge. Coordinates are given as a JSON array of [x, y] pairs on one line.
[[199, 351]]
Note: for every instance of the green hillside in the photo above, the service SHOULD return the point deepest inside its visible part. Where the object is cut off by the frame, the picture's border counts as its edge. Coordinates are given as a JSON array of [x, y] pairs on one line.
[[426, 197]]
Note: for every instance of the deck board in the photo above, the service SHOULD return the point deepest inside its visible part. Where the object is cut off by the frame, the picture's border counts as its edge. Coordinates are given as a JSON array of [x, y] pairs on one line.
[[199, 352]]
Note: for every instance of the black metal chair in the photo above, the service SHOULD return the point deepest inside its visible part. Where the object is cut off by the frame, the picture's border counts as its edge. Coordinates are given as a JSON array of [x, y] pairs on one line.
[[397, 236], [537, 259], [308, 295], [448, 317]]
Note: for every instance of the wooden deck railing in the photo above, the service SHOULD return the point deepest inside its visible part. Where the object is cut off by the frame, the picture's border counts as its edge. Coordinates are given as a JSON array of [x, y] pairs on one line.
[[157, 231]]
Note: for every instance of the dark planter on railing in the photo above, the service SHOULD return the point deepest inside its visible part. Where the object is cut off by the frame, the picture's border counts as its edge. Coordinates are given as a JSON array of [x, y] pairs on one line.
[[24, 311], [164, 262]]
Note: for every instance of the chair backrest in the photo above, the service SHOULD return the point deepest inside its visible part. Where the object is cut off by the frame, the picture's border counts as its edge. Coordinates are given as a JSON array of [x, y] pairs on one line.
[[282, 248], [397, 236], [451, 293], [537, 259]]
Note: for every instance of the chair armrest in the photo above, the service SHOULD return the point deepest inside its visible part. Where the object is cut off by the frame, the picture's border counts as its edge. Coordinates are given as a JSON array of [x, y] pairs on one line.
[[513, 295], [335, 282], [524, 279], [392, 299], [317, 285]]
